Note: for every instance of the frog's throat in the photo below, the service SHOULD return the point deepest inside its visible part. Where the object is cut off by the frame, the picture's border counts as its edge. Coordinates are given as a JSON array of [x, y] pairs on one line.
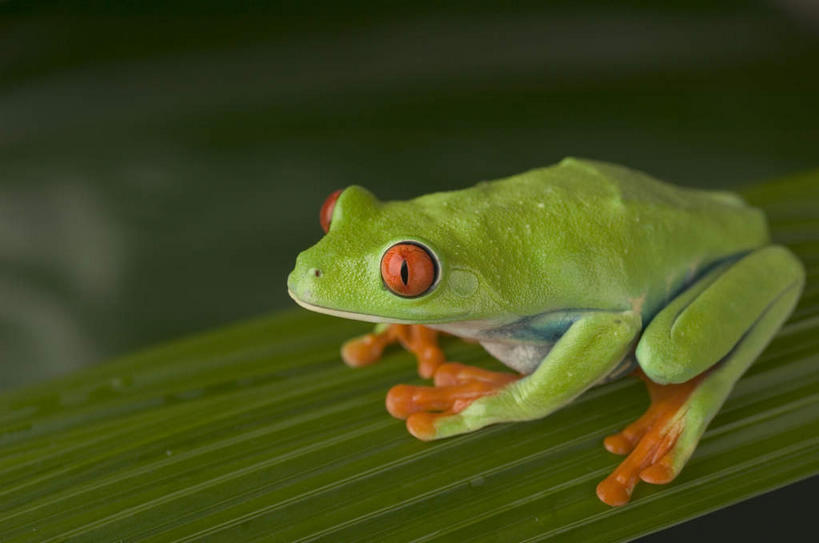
[[348, 314]]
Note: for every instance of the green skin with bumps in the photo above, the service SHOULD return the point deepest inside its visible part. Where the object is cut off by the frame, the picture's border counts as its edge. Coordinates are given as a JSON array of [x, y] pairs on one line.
[[567, 273]]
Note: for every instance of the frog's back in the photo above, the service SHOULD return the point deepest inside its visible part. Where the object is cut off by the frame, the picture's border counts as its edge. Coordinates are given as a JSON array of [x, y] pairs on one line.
[[601, 184], [603, 233]]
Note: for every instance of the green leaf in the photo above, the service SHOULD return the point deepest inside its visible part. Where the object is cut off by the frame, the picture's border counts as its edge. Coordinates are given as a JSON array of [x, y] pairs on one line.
[[259, 430]]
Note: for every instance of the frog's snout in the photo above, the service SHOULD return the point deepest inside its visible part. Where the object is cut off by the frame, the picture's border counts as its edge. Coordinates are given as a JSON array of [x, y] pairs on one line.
[[302, 280]]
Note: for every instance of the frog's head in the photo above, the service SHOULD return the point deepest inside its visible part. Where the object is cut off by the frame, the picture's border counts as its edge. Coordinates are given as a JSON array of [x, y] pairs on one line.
[[392, 262]]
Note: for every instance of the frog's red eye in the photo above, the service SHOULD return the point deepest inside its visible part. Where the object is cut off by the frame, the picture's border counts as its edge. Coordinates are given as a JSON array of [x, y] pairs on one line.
[[408, 269], [326, 213]]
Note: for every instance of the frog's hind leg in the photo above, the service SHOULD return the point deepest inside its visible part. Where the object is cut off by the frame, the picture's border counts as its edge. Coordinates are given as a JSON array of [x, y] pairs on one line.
[[738, 307], [649, 439], [665, 400], [421, 341]]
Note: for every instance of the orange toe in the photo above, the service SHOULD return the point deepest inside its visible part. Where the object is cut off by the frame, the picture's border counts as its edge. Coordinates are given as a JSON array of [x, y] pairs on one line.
[[616, 489], [362, 351], [453, 373], [614, 493], [423, 343], [618, 444], [400, 402], [660, 473], [624, 442], [422, 425], [430, 358], [641, 463], [650, 441], [404, 400], [447, 374]]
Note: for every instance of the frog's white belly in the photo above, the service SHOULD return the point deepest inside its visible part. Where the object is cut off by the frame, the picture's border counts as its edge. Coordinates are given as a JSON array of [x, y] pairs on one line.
[[521, 357]]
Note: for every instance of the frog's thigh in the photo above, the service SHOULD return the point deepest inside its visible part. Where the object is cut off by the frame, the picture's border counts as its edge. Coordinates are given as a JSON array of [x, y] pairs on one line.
[[706, 321]]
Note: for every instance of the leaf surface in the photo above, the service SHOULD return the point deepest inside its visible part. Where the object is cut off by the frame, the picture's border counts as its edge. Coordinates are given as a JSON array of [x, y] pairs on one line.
[[259, 431]]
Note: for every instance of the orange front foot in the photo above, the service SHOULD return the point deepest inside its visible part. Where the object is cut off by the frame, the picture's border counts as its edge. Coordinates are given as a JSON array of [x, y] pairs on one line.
[[456, 386], [419, 340], [650, 440]]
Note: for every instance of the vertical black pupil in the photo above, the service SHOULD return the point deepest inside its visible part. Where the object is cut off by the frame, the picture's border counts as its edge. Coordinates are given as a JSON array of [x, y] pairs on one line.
[[404, 272]]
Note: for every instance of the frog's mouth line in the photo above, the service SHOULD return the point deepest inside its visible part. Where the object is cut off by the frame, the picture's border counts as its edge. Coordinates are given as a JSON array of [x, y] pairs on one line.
[[347, 314]]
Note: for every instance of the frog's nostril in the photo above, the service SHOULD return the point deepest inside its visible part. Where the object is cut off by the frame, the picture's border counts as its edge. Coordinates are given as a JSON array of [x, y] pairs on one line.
[[314, 272]]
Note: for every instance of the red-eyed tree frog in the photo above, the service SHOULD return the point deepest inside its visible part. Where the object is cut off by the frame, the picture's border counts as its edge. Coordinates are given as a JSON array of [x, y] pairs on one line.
[[570, 275]]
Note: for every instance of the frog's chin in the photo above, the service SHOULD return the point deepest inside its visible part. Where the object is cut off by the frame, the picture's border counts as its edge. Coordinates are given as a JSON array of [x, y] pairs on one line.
[[347, 314]]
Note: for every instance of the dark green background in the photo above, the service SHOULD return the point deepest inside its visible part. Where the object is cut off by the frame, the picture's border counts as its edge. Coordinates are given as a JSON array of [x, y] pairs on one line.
[[161, 167], [160, 171]]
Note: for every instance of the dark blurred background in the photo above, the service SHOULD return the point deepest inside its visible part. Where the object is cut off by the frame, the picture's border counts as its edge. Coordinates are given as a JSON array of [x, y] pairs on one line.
[[162, 163], [160, 171]]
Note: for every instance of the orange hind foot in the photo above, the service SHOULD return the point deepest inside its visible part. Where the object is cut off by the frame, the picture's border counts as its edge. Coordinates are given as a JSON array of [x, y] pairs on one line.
[[649, 442]]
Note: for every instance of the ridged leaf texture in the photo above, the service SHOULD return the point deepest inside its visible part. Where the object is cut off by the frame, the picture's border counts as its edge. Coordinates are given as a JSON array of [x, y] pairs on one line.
[[259, 431]]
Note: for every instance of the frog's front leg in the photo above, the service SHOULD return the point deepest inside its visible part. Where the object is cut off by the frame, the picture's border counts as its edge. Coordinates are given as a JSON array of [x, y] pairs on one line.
[[589, 350], [456, 386], [420, 340], [691, 354]]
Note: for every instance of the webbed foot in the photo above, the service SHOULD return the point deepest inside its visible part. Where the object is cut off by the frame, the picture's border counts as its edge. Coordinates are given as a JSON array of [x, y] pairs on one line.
[[651, 442], [456, 387], [419, 340]]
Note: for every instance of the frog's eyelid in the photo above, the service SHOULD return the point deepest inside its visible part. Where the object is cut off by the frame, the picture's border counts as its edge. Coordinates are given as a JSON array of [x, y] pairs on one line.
[[327, 209]]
